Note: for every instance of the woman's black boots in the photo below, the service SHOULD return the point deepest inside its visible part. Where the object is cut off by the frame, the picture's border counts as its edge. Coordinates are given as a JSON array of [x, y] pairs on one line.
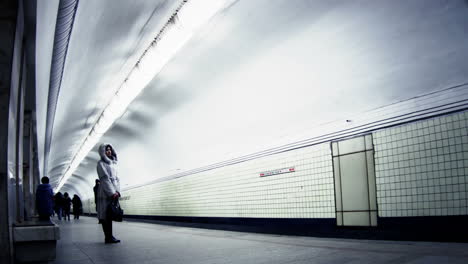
[[107, 228]]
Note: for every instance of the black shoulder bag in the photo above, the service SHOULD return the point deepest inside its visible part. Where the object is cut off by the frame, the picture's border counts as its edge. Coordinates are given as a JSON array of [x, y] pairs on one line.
[[115, 213]]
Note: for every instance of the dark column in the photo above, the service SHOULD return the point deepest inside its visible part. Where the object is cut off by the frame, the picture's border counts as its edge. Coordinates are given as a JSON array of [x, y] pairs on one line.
[[30, 166], [28, 184], [19, 209], [8, 102], [35, 162]]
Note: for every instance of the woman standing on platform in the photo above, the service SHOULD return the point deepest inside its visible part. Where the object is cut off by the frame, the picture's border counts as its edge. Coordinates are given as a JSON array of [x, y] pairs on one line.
[[109, 189]]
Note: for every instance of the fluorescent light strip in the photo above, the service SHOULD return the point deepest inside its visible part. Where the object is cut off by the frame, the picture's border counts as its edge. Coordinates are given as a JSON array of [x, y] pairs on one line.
[[192, 15]]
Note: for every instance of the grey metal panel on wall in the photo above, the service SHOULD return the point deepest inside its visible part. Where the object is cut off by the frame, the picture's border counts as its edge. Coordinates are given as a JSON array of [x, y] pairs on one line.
[[336, 172], [351, 145], [371, 180], [356, 219], [355, 182]]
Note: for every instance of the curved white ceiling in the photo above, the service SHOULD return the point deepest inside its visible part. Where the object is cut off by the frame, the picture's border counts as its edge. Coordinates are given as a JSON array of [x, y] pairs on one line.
[[107, 39], [260, 73]]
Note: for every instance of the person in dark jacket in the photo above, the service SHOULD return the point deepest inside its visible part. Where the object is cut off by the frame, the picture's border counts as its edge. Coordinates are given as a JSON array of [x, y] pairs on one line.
[[44, 199], [58, 203], [77, 206], [96, 190], [66, 206]]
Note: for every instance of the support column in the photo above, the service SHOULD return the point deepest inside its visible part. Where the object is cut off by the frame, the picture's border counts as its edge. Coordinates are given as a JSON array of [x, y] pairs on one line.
[[19, 136], [28, 184], [9, 81], [35, 162]]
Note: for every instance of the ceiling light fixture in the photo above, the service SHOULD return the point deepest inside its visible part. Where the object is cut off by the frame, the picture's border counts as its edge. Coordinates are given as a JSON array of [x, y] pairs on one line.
[[190, 16]]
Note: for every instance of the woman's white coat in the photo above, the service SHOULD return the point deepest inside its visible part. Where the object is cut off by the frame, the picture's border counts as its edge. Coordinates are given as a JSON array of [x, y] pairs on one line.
[[110, 183]]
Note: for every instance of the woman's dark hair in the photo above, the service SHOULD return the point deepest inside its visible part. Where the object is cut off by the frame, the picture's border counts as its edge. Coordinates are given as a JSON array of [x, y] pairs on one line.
[[114, 155]]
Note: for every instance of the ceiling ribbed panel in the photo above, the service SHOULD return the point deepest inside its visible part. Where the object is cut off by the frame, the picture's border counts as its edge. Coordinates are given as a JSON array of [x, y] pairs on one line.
[[63, 29]]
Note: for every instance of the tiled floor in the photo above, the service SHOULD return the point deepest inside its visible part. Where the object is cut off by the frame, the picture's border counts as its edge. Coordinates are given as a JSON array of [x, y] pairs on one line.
[[83, 242]]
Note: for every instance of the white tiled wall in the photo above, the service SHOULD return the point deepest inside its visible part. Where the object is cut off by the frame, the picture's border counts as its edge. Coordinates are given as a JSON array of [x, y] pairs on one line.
[[422, 167], [239, 191], [421, 170]]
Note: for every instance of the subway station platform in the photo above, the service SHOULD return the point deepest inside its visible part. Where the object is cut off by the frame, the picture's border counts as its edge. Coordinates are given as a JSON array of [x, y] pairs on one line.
[[82, 242]]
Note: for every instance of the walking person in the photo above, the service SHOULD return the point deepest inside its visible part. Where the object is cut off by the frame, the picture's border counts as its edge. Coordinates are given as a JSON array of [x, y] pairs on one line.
[[77, 206], [58, 201], [66, 206], [44, 199], [96, 190], [108, 190]]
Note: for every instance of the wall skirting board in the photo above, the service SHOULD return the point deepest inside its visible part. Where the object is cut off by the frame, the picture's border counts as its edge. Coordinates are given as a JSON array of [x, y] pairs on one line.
[[427, 228]]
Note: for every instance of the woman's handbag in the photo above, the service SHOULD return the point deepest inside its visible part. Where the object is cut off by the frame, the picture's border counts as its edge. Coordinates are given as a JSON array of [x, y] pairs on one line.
[[115, 213]]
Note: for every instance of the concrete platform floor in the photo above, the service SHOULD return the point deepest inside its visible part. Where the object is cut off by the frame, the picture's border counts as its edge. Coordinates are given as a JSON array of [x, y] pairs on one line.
[[82, 242]]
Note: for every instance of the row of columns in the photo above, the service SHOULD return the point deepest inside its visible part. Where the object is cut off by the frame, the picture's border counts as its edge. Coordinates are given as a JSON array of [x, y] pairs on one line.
[[19, 171]]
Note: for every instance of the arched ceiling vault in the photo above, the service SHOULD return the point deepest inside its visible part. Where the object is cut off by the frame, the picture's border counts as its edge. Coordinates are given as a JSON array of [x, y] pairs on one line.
[[259, 74]]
